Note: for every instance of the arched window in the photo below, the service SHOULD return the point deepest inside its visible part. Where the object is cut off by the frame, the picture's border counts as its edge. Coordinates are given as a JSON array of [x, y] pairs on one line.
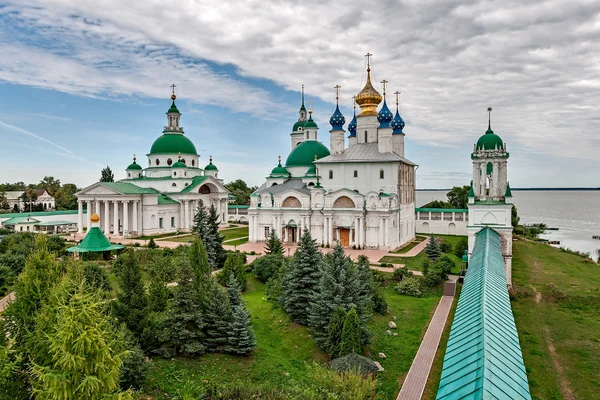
[[330, 174], [306, 135], [184, 173], [157, 161], [193, 162], [274, 184], [128, 175], [174, 173], [291, 202], [204, 189], [169, 161], [365, 136], [355, 173], [183, 160], [381, 174], [174, 184], [344, 202], [311, 184]]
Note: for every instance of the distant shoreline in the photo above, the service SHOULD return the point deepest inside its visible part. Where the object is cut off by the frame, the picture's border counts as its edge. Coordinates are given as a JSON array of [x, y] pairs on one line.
[[521, 189]]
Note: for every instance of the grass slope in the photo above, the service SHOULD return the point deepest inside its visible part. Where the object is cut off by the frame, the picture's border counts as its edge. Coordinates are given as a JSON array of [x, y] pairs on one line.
[[557, 312], [235, 232]]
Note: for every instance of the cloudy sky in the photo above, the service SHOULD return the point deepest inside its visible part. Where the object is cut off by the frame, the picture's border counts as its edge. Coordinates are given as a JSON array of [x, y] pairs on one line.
[[85, 84]]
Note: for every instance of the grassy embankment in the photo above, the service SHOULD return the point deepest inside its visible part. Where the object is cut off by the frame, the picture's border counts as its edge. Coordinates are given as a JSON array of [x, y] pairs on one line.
[[418, 239], [557, 311], [228, 234], [285, 351]]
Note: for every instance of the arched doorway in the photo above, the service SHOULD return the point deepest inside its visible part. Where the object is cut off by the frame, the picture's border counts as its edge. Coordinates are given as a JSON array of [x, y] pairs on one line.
[[451, 228], [425, 227]]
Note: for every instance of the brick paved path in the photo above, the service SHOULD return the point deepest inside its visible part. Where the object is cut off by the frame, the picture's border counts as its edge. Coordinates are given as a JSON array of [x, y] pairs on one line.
[[5, 301], [415, 381]]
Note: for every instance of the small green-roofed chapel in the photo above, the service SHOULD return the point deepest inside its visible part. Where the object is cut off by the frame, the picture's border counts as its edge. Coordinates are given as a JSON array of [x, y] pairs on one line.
[[95, 241], [164, 196]]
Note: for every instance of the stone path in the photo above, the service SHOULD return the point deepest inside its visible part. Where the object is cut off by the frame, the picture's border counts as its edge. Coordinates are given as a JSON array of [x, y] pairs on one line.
[[6, 301], [412, 252], [414, 384]]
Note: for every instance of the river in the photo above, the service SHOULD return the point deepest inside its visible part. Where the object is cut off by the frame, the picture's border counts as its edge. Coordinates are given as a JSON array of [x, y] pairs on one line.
[[575, 213]]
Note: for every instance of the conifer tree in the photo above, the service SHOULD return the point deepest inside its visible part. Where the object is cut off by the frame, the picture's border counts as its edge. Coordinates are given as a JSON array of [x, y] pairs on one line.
[[301, 281], [241, 336], [365, 288], [433, 249], [183, 328], [234, 266], [131, 304], [338, 287], [351, 334], [334, 332], [206, 226], [274, 245], [85, 349], [217, 318]]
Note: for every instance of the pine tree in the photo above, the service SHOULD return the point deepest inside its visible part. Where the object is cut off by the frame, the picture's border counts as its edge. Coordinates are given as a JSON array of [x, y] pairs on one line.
[[183, 328], [433, 249], [302, 279], [241, 336], [131, 304], [206, 226], [338, 287], [334, 332], [107, 175], [351, 334], [217, 318], [85, 349], [274, 245]]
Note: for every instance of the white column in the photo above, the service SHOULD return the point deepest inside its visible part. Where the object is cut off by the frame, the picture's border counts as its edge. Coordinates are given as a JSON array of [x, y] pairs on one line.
[[79, 216], [325, 229], [386, 224], [301, 223], [97, 207], [331, 231], [361, 231], [116, 217], [251, 228], [356, 231], [89, 215], [189, 214], [125, 218], [135, 217], [106, 217], [183, 214], [141, 217]]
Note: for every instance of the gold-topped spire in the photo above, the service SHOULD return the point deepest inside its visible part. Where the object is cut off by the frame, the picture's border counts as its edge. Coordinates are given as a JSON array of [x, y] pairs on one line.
[[173, 97], [369, 98], [337, 94], [179, 155], [310, 107]]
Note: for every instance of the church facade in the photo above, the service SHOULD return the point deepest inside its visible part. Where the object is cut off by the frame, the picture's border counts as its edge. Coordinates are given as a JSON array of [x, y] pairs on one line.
[[161, 198], [362, 195], [490, 195]]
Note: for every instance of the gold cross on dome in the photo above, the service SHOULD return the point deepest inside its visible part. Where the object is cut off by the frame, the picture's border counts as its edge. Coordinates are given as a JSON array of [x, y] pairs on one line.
[[354, 102], [397, 94], [384, 83], [173, 88], [337, 91], [368, 55]]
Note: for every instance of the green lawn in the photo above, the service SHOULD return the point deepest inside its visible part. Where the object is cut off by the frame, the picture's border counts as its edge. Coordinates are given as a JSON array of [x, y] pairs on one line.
[[235, 232], [236, 242], [559, 331], [181, 239], [155, 236], [418, 239], [285, 350]]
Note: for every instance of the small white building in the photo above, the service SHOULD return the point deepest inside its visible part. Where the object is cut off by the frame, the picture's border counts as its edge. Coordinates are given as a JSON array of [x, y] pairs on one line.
[[490, 194], [361, 195], [164, 196], [41, 197]]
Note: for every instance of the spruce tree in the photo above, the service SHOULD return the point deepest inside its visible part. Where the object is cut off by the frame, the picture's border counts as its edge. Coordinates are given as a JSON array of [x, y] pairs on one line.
[[241, 336], [334, 332], [338, 287], [107, 175], [85, 349], [365, 286], [131, 304], [206, 226], [274, 245], [300, 284], [351, 334], [183, 328], [433, 249], [217, 318]]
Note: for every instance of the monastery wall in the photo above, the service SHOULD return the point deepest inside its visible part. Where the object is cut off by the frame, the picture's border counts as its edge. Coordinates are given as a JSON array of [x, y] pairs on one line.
[[442, 221]]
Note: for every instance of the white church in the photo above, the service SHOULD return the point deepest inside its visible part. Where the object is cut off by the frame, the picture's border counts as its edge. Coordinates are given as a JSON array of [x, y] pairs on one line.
[[161, 198], [362, 195]]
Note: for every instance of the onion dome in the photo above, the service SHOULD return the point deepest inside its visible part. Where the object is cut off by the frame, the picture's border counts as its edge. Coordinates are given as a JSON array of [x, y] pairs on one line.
[[304, 154], [179, 163], [352, 126], [310, 123], [173, 108], [134, 165], [211, 166], [397, 124], [489, 141], [298, 125], [170, 143], [337, 120], [385, 116], [368, 99], [279, 170]]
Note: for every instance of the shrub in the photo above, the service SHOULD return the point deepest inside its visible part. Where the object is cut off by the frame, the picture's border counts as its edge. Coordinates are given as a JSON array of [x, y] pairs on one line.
[[152, 244], [133, 369], [446, 264], [136, 244], [267, 266], [445, 247], [377, 276], [410, 286], [400, 273], [233, 266], [380, 305], [460, 247]]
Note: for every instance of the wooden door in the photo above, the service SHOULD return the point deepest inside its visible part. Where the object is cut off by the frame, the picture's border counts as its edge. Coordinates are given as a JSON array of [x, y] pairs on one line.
[[345, 237]]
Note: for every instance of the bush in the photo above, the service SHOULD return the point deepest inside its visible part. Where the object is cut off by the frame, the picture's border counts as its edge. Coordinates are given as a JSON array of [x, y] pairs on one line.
[[233, 266], [380, 304], [410, 286], [445, 247], [152, 244], [377, 276], [400, 273], [446, 264], [460, 247], [267, 266], [133, 369]]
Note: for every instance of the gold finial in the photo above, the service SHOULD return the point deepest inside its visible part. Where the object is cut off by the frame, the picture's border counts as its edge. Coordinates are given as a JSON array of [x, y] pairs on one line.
[[173, 97], [95, 217], [368, 55], [179, 155], [134, 158], [310, 107], [384, 83], [337, 93]]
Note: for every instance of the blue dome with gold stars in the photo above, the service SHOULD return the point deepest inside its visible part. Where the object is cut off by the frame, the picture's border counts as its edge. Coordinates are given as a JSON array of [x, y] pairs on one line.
[[337, 120], [352, 126], [397, 124], [385, 116]]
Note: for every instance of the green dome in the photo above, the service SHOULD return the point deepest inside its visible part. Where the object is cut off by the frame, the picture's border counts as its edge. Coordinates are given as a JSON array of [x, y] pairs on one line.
[[173, 143], [312, 170], [304, 154], [211, 167], [179, 164], [310, 123], [173, 108], [134, 166], [298, 125], [489, 141], [279, 170]]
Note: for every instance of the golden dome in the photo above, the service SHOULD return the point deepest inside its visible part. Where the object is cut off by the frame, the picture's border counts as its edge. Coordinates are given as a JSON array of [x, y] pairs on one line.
[[368, 99], [95, 217]]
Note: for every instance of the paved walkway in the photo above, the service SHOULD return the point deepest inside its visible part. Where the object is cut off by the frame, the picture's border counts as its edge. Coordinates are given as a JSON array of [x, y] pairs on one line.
[[412, 252], [6, 301], [414, 384]]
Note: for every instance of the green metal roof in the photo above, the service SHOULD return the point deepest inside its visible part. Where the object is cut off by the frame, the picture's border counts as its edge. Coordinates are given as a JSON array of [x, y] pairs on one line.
[[489, 140], [173, 108], [173, 143], [94, 241], [471, 191], [179, 164], [483, 357], [40, 213], [162, 199], [239, 205], [508, 191], [196, 181], [310, 123], [304, 154], [129, 188], [56, 223], [20, 220], [448, 210], [298, 125]]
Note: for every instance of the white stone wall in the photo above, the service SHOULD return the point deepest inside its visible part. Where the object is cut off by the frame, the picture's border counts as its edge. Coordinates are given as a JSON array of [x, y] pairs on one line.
[[368, 178], [442, 223]]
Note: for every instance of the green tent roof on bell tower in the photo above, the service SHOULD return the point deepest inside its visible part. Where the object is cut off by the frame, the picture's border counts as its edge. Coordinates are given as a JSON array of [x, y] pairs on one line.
[[508, 191]]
